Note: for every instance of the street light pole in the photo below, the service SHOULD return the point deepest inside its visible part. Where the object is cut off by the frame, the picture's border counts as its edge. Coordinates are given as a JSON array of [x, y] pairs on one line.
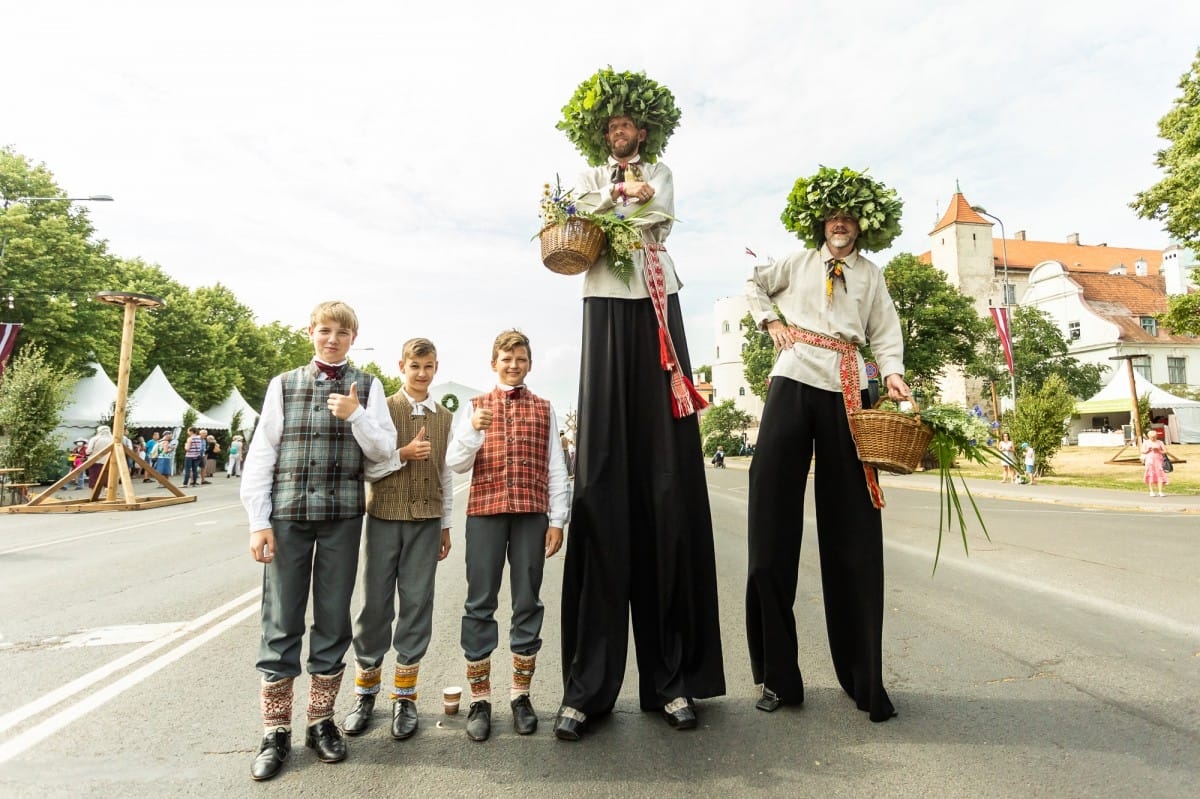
[[1012, 376]]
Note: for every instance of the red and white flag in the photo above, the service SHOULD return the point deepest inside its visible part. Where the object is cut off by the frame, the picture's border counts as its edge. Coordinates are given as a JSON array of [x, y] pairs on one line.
[[1000, 317], [8, 340], [751, 253]]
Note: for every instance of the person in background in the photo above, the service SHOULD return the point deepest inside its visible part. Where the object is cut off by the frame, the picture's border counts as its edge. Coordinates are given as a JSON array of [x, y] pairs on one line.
[[233, 462]]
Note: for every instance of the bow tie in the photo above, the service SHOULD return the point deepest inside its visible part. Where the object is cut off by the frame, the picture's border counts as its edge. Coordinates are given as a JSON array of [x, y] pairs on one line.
[[622, 172], [834, 270], [516, 394], [331, 372]]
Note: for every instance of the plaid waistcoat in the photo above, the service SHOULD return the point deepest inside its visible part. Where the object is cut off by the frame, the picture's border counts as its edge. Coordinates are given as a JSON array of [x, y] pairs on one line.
[[319, 474], [414, 492], [512, 468]]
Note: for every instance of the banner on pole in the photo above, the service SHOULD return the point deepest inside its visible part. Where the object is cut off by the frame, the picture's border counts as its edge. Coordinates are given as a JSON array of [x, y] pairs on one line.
[[1000, 317], [8, 341]]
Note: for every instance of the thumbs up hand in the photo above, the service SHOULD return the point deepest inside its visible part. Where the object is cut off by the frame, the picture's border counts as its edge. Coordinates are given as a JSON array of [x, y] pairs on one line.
[[344, 405], [418, 449]]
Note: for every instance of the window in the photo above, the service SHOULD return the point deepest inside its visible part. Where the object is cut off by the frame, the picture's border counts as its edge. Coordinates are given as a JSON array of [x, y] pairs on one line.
[[725, 326], [1010, 294], [1073, 331], [1177, 371], [741, 391], [718, 353], [1142, 367], [1150, 325]]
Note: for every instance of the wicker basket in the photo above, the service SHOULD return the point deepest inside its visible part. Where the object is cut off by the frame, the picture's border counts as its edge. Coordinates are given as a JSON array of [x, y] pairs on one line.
[[889, 440], [572, 247]]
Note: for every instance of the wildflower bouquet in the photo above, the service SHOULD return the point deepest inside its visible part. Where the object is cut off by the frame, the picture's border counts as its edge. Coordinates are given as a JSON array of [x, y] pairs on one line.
[[561, 209]]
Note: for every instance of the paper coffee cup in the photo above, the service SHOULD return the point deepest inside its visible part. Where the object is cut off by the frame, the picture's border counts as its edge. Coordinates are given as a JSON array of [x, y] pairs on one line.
[[450, 699]]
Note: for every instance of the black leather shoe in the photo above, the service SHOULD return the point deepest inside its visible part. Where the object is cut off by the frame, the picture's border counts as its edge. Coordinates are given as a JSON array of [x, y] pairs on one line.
[[681, 718], [359, 719], [274, 750], [567, 728], [769, 701], [525, 721], [479, 721], [404, 719], [326, 740]]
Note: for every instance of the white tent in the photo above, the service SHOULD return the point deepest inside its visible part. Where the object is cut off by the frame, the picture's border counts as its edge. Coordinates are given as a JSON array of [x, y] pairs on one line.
[[156, 404], [1183, 414], [92, 401], [233, 403]]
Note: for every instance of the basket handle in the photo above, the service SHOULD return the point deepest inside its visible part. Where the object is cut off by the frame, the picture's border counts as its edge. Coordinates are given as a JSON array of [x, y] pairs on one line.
[[882, 397]]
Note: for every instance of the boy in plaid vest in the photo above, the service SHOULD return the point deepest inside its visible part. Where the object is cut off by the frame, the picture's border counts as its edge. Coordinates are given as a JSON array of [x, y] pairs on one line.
[[519, 503], [303, 491], [407, 532]]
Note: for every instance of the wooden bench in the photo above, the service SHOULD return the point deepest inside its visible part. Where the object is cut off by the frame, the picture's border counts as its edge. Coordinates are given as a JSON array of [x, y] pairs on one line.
[[18, 492]]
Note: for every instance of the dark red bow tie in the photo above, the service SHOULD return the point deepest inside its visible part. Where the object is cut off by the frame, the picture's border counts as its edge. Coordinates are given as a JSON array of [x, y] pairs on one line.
[[516, 393], [331, 372]]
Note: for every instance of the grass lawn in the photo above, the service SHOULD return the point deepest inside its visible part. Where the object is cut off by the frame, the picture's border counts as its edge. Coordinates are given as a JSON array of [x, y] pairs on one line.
[[1087, 466]]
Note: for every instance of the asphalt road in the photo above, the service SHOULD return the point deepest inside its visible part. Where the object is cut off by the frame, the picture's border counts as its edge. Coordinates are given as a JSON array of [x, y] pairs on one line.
[[1060, 659]]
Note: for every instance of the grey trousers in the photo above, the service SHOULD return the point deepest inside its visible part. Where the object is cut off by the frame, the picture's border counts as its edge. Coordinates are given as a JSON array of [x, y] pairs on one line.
[[522, 538], [321, 554], [399, 568]]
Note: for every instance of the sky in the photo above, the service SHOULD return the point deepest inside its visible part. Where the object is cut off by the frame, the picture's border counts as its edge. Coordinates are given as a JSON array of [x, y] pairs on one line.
[[392, 155]]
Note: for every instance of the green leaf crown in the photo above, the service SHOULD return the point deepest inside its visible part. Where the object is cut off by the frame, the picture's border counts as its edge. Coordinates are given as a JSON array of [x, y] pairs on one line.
[[607, 94], [814, 199]]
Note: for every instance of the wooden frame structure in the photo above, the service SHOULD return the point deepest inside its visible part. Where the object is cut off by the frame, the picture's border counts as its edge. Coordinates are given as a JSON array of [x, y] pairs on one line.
[[116, 466]]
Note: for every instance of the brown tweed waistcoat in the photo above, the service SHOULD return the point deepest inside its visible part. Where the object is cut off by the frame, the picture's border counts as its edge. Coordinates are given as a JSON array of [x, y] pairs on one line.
[[414, 492]]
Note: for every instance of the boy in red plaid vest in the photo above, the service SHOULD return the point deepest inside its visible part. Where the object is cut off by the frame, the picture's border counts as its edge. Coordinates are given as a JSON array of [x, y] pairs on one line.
[[519, 504]]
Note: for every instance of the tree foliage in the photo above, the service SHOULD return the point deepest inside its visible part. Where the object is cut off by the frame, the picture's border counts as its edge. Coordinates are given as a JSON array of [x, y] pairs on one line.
[[1041, 419], [1183, 312], [722, 426], [1039, 351], [940, 325], [391, 384], [758, 356], [1175, 200], [33, 394]]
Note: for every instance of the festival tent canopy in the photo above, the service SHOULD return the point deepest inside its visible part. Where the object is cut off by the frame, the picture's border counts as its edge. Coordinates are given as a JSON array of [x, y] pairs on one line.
[[1115, 398], [91, 401], [156, 404], [233, 403]]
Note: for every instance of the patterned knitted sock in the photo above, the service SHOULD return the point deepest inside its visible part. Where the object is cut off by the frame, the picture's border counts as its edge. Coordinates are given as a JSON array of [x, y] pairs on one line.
[[479, 677], [366, 681], [523, 666], [405, 684], [322, 694], [276, 700]]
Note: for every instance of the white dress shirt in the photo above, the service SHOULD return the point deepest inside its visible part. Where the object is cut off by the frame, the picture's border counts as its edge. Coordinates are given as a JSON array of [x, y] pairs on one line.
[[466, 441], [372, 427], [862, 312]]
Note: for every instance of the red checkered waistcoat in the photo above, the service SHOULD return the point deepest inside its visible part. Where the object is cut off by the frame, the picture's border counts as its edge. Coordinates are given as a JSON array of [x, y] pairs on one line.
[[512, 468]]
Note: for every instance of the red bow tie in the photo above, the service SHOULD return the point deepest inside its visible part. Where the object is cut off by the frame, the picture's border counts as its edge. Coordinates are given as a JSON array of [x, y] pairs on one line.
[[516, 393], [331, 372]]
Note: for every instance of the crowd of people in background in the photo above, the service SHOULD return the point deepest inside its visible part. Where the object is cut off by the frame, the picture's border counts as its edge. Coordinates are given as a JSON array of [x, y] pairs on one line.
[[158, 450]]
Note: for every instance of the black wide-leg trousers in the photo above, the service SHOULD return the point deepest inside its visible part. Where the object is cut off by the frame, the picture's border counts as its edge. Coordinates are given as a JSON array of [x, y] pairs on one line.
[[797, 422], [640, 540]]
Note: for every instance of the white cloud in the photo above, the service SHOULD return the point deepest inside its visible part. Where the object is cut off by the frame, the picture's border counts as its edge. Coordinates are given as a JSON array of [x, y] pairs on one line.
[[393, 154]]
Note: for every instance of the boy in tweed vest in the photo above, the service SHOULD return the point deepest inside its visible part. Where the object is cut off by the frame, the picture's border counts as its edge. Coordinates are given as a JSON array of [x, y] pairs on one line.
[[520, 500], [303, 491], [407, 532]]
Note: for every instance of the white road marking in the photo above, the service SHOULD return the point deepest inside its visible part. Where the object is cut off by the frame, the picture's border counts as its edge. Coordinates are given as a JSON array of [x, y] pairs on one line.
[[1105, 606], [78, 710], [77, 686], [118, 634]]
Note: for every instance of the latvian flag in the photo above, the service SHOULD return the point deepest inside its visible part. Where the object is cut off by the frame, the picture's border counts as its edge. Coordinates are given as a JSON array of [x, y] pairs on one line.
[[8, 340], [1000, 317]]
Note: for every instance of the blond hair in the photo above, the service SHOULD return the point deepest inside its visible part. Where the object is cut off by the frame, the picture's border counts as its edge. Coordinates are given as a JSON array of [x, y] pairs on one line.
[[334, 311], [418, 348], [508, 341]]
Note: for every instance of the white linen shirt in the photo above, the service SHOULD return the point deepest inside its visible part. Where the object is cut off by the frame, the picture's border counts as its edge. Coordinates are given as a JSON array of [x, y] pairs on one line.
[[377, 471], [372, 427], [466, 441], [596, 187], [862, 313]]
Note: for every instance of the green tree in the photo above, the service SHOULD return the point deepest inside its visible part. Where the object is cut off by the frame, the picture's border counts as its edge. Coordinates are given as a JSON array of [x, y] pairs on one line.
[[1175, 200], [1041, 419], [723, 425], [1039, 351], [758, 356], [940, 325], [33, 394], [1183, 312], [705, 372], [390, 384]]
